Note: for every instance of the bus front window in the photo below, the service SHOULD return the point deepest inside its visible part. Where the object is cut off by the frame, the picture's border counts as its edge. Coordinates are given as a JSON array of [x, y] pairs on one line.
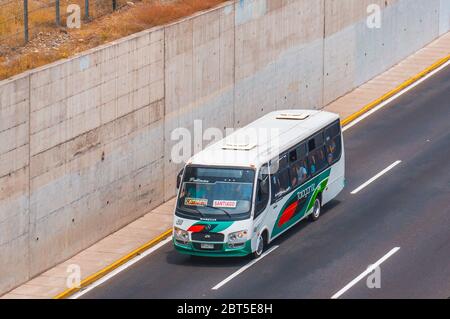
[[219, 193]]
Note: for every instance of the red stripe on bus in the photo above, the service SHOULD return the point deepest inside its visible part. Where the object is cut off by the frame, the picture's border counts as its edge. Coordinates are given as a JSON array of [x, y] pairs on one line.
[[287, 214], [196, 228]]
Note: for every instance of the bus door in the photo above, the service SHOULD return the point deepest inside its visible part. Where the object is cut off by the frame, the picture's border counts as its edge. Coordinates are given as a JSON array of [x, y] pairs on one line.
[[262, 197], [280, 185]]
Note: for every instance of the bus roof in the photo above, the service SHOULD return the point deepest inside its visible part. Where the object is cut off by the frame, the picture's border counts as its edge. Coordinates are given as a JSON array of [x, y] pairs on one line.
[[264, 139]]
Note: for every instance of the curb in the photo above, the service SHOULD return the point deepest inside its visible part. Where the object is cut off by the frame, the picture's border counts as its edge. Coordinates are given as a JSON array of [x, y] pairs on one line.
[[398, 89], [101, 273]]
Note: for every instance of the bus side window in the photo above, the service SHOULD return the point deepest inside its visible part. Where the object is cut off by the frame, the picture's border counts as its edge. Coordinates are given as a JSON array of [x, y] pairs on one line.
[[334, 148], [333, 143], [283, 182], [332, 131], [299, 168], [280, 180], [274, 186], [299, 172], [293, 156], [311, 145], [312, 163], [316, 157], [322, 159], [317, 160], [262, 191], [315, 142]]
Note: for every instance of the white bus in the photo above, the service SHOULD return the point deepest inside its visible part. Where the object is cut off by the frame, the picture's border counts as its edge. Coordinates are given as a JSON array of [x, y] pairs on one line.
[[234, 199]]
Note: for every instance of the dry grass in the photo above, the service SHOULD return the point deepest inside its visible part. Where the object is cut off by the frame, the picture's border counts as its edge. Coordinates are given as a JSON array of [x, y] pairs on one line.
[[128, 20], [11, 18], [25, 62]]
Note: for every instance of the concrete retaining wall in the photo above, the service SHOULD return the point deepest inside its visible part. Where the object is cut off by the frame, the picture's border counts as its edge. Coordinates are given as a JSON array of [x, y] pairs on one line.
[[355, 53], [85, 143], [444, 16], [14, 182]]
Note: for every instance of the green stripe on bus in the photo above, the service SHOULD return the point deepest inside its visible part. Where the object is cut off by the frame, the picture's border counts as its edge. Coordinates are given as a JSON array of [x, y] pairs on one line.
[[319, 183]]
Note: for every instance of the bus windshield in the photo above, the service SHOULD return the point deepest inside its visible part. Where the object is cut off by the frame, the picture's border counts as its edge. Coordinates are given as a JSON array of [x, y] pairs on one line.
[[217, 193]]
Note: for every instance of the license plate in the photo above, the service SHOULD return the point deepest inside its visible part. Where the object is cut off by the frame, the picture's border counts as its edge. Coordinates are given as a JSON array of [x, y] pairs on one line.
[[207, 246]]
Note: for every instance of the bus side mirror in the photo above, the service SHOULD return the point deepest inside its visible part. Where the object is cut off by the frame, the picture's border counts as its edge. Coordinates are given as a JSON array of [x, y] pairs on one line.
[[179, 176]]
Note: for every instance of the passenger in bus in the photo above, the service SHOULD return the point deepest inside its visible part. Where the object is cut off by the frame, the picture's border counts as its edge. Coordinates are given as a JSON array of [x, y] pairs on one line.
[[278, 186], [331, 149], [203, 191], [294, 175], [222, 191], [294, 181], [322, 158], [275, 184], [243, 192], [313, 168], [302, 172], [299, 173], [188, 191]]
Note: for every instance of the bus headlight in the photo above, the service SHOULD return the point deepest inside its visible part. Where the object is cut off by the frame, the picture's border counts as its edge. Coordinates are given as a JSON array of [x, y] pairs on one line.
[[180, 234], [238, 236]]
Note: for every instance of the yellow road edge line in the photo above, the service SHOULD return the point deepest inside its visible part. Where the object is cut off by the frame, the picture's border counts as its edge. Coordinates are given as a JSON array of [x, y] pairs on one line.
[[393, 92], [101, 273]]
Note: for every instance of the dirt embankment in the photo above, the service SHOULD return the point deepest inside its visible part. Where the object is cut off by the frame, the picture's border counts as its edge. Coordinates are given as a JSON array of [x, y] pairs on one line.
[[52, 43]]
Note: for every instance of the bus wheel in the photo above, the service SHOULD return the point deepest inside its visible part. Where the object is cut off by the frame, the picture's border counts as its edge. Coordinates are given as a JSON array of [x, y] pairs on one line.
[[260, 246], [316, 210]]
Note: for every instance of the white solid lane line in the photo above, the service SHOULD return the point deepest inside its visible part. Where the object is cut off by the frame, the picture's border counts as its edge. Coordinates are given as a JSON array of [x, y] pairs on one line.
[[244, 268], [396, 96], [387, 169], [120, 269], [370, 269]]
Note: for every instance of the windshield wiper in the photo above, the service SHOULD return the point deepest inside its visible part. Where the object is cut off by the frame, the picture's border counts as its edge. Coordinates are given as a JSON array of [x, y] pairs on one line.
[[195, 210], [221, 209], [218, 208], [199, 212]]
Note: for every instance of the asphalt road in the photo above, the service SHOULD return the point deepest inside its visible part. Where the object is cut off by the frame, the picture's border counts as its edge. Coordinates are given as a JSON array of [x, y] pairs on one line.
[[408, 207]]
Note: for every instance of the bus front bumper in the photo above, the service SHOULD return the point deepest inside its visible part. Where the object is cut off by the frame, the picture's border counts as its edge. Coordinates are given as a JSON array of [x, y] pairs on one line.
[[220, 249]]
